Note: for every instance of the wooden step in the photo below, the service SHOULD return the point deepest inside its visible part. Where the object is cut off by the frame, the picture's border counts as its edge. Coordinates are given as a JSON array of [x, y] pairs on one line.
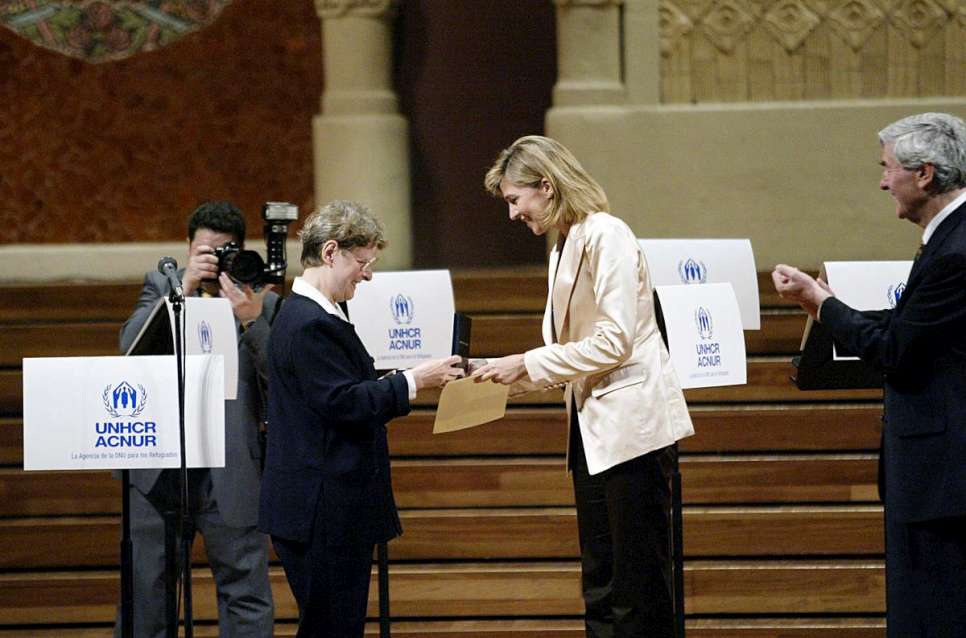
[[549, 628], [718, 428], [492, 590], [481, 482], [541, 431], [489, 290], [505, 534], [768, 382], [492, 336], [521, 289]]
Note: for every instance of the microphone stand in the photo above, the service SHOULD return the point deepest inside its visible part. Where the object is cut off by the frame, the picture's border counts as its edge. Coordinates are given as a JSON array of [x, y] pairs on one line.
[[185, 526], [127, 559]]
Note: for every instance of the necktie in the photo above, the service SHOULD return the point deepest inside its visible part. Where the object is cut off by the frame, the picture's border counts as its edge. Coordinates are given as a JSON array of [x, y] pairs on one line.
[[918, 253]]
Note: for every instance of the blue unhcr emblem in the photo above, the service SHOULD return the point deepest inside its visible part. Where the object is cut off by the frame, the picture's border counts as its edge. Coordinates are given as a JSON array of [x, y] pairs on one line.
[[402, 308], [124, 400], [693, 271], [895, 292], [702, 319], [205, 337]]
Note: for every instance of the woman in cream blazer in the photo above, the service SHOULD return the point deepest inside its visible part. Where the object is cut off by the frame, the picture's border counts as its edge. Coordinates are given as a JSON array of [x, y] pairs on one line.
[[625, 405]]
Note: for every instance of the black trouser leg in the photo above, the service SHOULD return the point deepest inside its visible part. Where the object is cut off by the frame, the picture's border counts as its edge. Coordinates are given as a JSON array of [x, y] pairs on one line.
[[622, 520]]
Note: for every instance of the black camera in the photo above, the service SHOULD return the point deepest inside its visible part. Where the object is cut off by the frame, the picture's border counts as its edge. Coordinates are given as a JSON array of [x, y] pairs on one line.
[[247, 266]]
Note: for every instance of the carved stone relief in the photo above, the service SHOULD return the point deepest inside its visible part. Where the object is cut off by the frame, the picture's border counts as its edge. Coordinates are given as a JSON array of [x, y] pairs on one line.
[[727, 23], [855, 20], [790, 22], [674, 25], [918, 20]]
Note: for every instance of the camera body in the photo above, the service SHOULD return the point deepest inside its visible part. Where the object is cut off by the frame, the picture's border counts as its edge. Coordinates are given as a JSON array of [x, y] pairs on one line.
[[247, 266]]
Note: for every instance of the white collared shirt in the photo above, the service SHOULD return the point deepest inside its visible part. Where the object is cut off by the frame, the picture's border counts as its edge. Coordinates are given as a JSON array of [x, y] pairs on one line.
[[304, 288], [943, 214]]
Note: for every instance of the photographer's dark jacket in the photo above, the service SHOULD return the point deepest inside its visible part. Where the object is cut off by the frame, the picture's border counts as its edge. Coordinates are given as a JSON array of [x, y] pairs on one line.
[[236, 485]]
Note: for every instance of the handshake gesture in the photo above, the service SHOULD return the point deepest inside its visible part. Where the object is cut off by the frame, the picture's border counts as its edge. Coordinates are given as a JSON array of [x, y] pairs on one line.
[[437, 373]]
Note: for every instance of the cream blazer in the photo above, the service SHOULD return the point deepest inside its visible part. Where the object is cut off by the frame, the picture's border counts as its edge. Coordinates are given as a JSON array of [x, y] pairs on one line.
[[608, 350]]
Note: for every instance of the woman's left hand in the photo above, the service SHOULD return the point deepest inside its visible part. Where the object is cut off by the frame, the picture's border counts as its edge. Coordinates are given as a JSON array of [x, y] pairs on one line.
[[505, 370]]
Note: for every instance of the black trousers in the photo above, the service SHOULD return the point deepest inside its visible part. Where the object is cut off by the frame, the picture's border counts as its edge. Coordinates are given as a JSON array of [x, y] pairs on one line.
[[623, 525], [330, 583], [925, 578]]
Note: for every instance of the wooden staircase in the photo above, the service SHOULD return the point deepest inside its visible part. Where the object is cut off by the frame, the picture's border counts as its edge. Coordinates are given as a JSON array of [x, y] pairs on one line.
[[782, 528]]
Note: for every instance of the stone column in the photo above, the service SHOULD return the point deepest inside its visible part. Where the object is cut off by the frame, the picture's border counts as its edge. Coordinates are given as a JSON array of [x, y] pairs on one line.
[[590, 64], [360, 141]]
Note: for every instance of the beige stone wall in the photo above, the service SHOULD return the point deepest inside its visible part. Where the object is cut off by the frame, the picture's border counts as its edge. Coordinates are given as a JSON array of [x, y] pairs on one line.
[[798, 175]]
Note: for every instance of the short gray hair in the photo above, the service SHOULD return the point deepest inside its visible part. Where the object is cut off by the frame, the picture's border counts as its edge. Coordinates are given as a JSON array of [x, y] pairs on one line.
[[930, 138], [349, 224]]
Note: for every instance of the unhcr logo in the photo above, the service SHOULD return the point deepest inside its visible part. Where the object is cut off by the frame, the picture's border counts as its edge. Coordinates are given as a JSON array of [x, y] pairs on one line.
[[692, 271], [702, 319], [124, 400], [895, 292], [205, 337], [402, 309]]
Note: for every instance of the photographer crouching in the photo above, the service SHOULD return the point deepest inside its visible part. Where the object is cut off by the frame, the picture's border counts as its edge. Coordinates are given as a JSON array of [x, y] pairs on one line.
[[223, 501]]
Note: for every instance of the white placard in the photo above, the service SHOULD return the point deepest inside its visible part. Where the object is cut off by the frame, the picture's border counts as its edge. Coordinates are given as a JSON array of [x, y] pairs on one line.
[[405, 318], [96, 413], [704, 333], [210, 329], [708, 261], [866, 285]]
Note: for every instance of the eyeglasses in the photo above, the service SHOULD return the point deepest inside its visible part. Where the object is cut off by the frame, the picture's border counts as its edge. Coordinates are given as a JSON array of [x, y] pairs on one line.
[[364, 264]]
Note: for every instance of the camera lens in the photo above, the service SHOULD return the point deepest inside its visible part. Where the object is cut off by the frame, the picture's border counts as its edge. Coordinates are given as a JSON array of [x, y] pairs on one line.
[[245, 266]]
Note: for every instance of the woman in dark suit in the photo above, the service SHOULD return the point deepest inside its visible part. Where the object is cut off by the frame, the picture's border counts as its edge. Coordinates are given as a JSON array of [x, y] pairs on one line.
[[625, 404], [326, 492]]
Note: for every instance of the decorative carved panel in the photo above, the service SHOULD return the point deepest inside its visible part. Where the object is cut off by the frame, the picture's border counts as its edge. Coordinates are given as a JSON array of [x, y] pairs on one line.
[[740, 50], [790, 21], [919, 20], [675, 24], [855, 20], [726, 23]]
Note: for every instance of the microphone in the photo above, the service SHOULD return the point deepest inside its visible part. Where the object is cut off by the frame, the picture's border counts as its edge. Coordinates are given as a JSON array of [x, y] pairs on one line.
[[169, 268]]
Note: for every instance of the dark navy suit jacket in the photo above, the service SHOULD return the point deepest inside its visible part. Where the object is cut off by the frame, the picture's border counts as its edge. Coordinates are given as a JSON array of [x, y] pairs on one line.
[[921, 348], [327, 446]]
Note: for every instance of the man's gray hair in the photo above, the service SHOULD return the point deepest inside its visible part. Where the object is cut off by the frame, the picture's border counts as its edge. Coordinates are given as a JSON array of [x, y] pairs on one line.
[[930, 138], [349, 224]]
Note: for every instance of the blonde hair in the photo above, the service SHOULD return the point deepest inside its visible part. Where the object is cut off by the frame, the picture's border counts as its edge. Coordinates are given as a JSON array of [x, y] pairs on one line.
[[533, 158], [349, 224]]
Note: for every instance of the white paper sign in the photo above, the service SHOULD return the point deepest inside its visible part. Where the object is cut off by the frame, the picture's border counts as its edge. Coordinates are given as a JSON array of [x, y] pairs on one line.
[[210, 329], [95, 413], [866, 285], [405, 318], [707, 261], [704, 333]]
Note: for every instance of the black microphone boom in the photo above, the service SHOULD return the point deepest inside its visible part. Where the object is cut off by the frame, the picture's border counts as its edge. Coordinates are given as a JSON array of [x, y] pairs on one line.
[[168, 267]]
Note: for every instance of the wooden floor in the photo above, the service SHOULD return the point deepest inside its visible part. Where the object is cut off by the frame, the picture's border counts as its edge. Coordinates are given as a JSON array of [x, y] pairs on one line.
[[782, 528]]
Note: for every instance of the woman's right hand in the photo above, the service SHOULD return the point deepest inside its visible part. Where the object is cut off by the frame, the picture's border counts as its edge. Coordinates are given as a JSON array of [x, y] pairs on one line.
[[437, 372]]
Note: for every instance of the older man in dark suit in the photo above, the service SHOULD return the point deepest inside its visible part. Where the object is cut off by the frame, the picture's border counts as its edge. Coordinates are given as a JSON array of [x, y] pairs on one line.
[[921, 348], [224, 501], [326, 494]]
